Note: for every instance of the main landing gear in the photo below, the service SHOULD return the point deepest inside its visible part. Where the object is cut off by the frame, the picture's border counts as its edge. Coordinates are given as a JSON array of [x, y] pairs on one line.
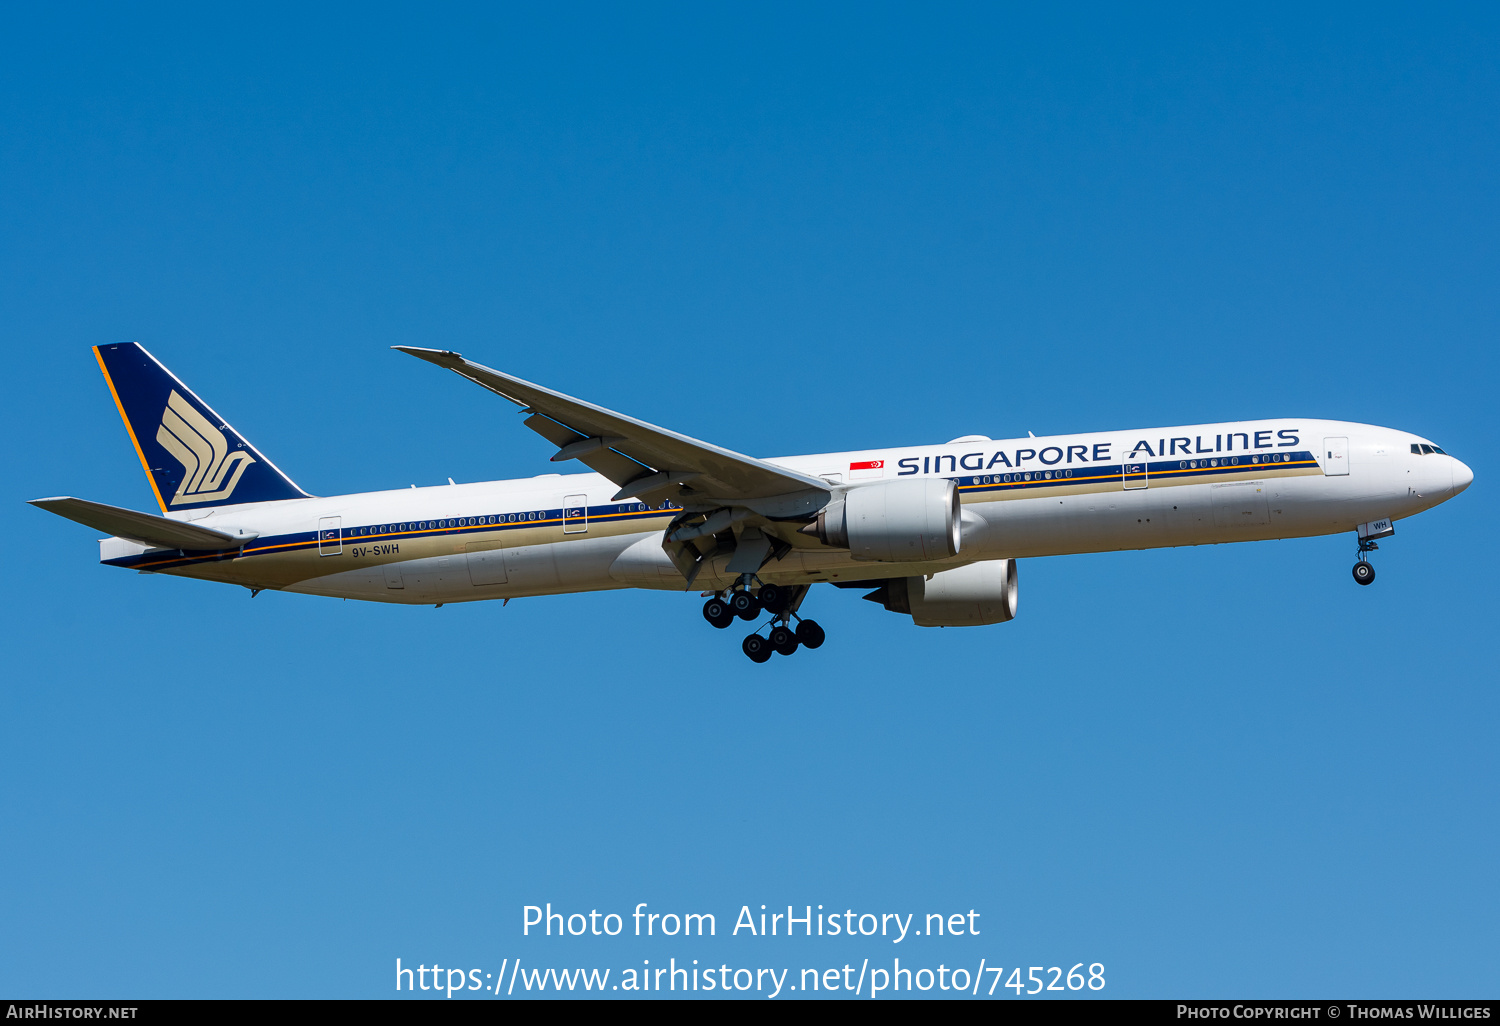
[[781, 602]]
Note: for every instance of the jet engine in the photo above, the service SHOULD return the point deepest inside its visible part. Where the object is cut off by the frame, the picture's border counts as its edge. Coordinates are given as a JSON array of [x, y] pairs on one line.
[[894, 521], [966, 596]]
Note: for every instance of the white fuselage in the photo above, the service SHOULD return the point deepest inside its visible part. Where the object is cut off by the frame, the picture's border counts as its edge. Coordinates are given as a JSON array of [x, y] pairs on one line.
[[1021, 497]]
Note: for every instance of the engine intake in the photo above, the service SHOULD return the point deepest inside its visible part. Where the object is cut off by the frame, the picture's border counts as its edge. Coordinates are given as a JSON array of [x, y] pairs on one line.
[[895, 521], [966, 596]]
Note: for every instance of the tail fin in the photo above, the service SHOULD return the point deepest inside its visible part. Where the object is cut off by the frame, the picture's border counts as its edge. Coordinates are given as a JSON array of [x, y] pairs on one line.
[[191, 455]]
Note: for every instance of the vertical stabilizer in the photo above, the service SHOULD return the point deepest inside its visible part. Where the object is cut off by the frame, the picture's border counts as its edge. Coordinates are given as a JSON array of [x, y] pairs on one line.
[[192, 456]]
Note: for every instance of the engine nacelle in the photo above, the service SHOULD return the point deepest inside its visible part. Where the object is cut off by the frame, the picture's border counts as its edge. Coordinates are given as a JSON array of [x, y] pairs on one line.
[[966, 596], [894, 521]]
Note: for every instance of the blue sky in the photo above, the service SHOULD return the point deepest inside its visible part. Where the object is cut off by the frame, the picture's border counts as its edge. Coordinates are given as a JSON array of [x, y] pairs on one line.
[[1217, 771]]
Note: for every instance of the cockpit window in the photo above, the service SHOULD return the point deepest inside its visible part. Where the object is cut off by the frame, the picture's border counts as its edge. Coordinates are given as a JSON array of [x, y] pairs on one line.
[[1426, 449], [1416, 450], [1438, 451]]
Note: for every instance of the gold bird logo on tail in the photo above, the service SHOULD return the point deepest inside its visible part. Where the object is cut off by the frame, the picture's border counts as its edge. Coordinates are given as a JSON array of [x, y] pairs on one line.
[[210, 470]]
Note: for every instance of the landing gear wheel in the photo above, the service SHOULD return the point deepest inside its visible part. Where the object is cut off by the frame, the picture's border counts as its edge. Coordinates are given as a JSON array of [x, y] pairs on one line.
[[1364, 573], [773, 598], [757, 648], [717, 612], [810, 634], [745, 605], [783, 640]]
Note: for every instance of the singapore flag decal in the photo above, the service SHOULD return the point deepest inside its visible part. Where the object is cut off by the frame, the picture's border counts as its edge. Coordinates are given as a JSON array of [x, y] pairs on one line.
[[866, 470]]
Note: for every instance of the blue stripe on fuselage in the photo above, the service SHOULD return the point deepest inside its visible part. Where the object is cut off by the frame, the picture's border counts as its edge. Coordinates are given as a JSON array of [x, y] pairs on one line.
[[1173, 470], [402, 531]]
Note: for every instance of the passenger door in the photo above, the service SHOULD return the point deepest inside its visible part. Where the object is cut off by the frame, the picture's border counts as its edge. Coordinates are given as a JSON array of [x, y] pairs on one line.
[[575, 514], [1335, 457], [330, 536]]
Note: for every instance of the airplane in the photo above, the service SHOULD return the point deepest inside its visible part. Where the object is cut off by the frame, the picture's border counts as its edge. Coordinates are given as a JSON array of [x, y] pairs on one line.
[[932, 532]]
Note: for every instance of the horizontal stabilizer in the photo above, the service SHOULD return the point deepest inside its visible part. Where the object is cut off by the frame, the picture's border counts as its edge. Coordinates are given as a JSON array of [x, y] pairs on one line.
[[146, 528]]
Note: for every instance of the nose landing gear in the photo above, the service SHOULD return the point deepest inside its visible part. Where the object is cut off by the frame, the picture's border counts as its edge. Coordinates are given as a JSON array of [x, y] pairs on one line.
[[1364, 573]]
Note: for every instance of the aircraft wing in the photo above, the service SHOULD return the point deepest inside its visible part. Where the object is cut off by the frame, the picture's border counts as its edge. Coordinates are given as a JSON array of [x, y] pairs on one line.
[[146, 528], [648, 462]]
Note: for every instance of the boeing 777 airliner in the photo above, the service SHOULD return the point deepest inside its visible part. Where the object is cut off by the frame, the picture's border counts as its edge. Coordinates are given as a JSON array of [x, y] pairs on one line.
[[930, 531]]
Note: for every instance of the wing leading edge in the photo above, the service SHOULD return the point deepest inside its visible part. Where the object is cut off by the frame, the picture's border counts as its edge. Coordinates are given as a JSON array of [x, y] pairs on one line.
[[646, 461]]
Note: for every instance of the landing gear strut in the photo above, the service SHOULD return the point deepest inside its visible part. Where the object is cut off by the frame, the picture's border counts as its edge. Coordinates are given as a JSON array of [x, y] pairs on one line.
[[1364, 573]]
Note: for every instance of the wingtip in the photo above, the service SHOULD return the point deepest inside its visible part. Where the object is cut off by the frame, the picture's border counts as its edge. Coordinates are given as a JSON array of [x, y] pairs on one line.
[[428, 354]]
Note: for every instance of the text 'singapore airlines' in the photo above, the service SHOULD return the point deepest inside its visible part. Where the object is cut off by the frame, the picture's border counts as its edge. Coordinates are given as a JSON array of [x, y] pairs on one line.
[[930, 532]]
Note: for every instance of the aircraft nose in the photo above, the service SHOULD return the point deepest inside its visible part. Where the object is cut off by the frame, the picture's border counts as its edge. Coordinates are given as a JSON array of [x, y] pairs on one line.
[[1462, 476]]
